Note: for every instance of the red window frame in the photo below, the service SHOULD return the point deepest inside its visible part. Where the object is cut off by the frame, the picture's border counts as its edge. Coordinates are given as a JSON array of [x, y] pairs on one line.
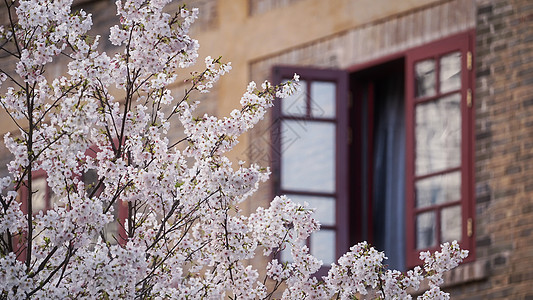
[[464, 43], [281, 73], [39, 174], [347, 204]]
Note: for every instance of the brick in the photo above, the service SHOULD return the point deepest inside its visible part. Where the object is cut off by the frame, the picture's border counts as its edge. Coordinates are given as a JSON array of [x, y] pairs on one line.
[[513, 169], [528, 81], [483, 135], [484, 242], [499, 294], [484, 10], [500, 260], [483, 72], [526, 71], [482, 199], [521, 277]]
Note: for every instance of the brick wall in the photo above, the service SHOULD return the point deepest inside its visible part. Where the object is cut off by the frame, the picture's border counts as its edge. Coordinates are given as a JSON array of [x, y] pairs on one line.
[[504, 150]]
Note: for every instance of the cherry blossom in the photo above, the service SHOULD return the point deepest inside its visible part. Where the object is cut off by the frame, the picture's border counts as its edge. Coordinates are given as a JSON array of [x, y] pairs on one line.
[[162, 218]]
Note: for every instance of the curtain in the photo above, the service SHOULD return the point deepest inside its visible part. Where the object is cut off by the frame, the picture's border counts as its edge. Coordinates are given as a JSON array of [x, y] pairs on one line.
[[389, 171]]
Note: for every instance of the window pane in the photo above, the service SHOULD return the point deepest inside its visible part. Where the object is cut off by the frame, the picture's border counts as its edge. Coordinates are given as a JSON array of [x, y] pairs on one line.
[[323, 99], [438, 189], [451, 224], [38, 198], [111, 229], [285, 254], [438, 134], [324, 207], [450, 72], [323, 246], [308, 156], [296, 104], [90, 179], [425, 78], [54, 199], [425, 230]]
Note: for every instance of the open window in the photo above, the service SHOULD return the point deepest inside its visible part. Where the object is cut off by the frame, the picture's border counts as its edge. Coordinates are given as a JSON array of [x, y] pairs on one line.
[[385, 153], [310, 150], [440, 150], [377, 159]]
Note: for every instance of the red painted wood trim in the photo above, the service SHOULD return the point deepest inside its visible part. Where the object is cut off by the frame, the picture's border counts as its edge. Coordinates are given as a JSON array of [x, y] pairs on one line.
[[461, 42], [340, 78]]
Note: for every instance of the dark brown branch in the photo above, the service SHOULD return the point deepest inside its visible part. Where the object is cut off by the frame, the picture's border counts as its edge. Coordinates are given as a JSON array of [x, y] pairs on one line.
[[12, 23], [44, 262]]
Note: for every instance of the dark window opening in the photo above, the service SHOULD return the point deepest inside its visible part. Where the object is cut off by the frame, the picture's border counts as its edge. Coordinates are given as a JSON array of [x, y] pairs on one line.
[[377, 195]]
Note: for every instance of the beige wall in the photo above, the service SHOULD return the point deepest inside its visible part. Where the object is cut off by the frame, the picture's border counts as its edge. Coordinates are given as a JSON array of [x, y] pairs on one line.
[[245, 40]]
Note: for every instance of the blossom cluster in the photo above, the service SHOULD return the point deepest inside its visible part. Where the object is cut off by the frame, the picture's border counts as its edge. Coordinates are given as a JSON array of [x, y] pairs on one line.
[[161, 217], [361, 271]]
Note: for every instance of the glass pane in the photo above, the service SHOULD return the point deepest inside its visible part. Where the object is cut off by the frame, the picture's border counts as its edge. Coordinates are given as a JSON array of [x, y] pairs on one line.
[[425, 78], [308, 156], [438, 134], [285, 254], [450, 72], [438, 189], [54, 199], [324, 207], [38, 198], [425, 230], [111, 229], [323, 99], [451, 224], [323, 246], [296, 104]]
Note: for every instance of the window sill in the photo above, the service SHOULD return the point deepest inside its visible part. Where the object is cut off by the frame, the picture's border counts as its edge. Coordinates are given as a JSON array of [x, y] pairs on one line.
[[468, 272]]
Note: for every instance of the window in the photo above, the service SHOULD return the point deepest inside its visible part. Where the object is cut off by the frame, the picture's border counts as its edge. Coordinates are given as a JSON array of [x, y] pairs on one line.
[[377, 159], [43, 198], [392, 163], [309, 140], [440, 148], [114, 232]]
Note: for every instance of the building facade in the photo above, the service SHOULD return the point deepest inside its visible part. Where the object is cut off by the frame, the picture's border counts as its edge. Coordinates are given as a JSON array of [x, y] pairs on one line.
[[413, 127]]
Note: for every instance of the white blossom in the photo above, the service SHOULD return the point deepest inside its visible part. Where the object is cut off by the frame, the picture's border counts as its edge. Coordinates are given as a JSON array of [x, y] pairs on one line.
[[179, 231]]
